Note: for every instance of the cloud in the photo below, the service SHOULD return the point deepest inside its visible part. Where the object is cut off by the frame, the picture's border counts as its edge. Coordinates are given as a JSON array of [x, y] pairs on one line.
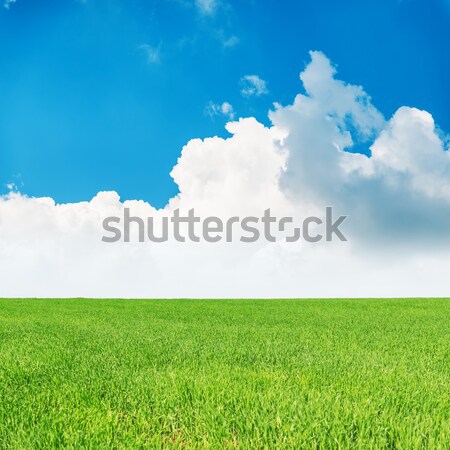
[[216, 109], [397, 200], [399, 192], [253, 85], [11, 187], [7, 3], [232, 41], [410, 152], [207, 7], [152, 54]]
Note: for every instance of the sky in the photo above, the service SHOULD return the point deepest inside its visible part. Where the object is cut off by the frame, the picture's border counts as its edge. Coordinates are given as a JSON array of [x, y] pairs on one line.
[[228, 109], [102, 95]]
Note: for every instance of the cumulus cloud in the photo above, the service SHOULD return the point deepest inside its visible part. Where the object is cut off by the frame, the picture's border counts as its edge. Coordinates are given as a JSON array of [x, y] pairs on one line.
[[397, 199], [216, 109], [253, 85], [399, 192], [410, 152]]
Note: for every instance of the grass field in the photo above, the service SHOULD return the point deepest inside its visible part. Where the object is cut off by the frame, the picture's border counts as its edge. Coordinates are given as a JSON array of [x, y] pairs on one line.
[[303, 374]]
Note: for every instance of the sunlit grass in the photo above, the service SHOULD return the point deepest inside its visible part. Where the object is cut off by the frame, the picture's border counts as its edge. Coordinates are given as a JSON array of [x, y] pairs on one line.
[[306, 374]]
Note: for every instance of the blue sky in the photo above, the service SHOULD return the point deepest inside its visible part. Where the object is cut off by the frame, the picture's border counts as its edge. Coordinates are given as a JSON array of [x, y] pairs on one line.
[[102, 95]]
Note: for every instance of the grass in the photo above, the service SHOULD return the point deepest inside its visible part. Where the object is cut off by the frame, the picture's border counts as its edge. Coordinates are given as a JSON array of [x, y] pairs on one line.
[[275, 374]]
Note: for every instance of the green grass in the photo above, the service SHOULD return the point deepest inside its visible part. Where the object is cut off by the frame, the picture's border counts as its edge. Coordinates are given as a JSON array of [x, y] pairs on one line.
[[306, 374]]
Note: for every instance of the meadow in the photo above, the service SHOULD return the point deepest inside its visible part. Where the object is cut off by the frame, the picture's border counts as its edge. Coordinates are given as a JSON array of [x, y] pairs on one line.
[[247, 374]]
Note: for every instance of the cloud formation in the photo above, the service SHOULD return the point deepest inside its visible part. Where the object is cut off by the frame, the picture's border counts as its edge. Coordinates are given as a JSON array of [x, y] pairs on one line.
[[399, 192], [253, 85], [397, 199], [216, 109]]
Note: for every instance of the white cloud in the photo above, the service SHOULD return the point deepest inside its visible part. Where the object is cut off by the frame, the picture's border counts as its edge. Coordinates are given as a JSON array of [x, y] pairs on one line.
[[216, 109], [152, 54], [398, 202], [7, 3], [412, 154], [253, 85]]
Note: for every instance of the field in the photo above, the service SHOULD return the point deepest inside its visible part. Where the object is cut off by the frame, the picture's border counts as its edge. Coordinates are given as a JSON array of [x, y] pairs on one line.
[[303, 374]]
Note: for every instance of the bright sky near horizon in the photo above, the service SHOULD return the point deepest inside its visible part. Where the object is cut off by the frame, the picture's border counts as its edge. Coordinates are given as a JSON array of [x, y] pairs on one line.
[[102, 95]]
